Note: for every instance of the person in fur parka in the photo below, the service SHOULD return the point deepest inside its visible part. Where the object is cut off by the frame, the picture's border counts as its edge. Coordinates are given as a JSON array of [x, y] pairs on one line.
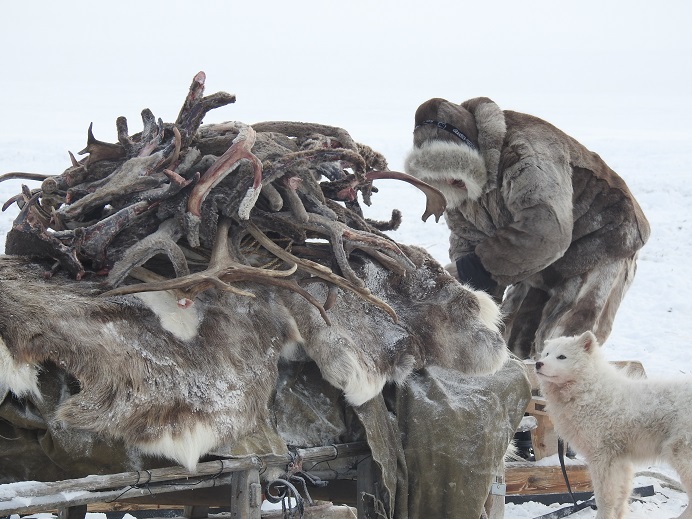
[[536, 219]]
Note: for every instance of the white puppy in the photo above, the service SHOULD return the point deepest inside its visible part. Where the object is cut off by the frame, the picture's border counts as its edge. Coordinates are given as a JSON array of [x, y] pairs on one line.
[[614, 420]]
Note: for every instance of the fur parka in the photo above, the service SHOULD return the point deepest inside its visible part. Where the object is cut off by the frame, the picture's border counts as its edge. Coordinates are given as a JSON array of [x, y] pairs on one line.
[[525, 197]]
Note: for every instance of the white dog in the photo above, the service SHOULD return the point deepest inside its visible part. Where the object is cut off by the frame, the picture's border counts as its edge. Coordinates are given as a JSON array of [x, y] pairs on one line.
[[614, 420]]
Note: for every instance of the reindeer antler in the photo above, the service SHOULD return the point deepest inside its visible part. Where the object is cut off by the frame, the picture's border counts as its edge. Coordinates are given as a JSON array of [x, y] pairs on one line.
[[223, 270], [188, 187], [319, 270]]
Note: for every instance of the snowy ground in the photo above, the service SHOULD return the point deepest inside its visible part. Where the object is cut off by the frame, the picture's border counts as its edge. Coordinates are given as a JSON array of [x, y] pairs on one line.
[[616, 77]]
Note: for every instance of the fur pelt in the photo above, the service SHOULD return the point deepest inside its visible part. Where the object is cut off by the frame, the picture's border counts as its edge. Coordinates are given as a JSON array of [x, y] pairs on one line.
[[180, 382], [613, 420]]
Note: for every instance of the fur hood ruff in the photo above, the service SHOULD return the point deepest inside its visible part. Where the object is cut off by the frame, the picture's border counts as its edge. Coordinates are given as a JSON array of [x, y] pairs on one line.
[[439, 161]]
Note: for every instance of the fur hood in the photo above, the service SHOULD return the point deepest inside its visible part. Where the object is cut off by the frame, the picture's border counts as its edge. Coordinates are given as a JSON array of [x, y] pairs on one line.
[[439, 157]]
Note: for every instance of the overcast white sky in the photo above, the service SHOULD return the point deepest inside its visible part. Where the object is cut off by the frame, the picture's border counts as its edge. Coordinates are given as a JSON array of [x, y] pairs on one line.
[[363, 65]]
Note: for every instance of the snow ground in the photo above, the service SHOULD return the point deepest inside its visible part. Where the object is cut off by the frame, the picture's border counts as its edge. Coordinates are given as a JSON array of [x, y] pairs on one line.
[[615, 76]]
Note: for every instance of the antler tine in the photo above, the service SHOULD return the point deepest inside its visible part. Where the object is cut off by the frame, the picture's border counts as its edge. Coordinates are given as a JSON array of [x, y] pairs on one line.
[[435, 200], [222, 270], [318, 270], [99, 150], [12, 175], [344, 238], [240, 149], [163, 241]]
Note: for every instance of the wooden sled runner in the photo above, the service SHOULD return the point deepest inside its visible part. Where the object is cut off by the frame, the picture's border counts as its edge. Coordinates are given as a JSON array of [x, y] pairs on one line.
[[228, 483]]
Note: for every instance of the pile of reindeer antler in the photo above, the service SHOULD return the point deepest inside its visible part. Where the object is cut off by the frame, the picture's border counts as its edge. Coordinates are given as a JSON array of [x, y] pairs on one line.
[[212, 199]]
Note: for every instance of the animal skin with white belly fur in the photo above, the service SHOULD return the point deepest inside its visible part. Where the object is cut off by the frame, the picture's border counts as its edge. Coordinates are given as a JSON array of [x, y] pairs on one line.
[[181, 382]]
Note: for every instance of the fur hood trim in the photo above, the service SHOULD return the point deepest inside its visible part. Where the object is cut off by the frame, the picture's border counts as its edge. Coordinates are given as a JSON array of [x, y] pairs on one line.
[[438, 162]]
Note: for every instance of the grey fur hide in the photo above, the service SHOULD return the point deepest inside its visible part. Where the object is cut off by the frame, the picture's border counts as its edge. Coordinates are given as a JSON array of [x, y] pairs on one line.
[[182, 382]]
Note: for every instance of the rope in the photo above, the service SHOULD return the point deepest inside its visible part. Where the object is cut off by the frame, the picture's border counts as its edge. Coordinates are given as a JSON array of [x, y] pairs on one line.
[[285, 492], [147, 484]]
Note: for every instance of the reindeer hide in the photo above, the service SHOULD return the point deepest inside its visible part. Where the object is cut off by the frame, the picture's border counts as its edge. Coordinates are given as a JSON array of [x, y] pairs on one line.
[[182, 382]]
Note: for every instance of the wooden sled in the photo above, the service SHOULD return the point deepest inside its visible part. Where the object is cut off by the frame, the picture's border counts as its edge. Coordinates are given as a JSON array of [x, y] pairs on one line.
[[230, 484]]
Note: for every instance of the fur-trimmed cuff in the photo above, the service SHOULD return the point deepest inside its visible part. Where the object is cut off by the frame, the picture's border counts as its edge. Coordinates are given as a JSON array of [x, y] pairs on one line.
[[438, 162]]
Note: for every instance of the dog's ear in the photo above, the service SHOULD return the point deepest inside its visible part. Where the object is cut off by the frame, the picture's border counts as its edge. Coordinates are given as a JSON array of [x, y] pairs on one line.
[[588, 341]]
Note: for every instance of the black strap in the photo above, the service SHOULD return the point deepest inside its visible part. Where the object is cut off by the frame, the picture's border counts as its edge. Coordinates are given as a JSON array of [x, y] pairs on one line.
[[451, 129], [568, 510], [561, 457]]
